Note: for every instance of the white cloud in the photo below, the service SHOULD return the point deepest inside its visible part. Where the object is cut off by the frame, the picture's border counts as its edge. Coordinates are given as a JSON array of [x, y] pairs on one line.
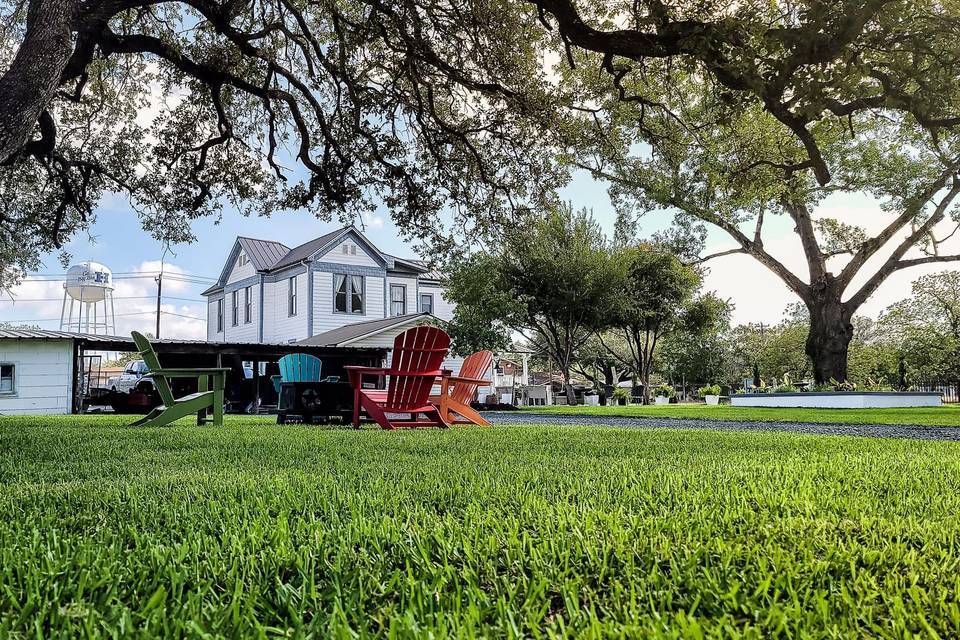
[[373, 220]]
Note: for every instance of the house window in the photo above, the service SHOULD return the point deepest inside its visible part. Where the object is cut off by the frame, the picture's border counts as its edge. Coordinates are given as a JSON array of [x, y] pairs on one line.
[[235, 309], [426, 303], [345, 249], [398, 300], [220, 315], [247, 305], [348, 293], [242, 260], [353, 249], [292, 296], [7, 373]]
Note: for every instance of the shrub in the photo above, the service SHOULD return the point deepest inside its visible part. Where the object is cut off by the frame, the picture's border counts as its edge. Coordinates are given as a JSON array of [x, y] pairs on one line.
[[621, 393], [664, 391], [834, 385], [709, 390]]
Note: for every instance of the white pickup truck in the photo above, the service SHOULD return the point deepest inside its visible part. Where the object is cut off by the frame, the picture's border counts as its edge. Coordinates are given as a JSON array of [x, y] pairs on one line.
[[134, 373]]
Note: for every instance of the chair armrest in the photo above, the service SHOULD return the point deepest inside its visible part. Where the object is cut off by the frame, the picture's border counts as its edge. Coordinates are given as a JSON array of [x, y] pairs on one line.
[[379, 371], [189, 373], [382, 371], [482, 381]]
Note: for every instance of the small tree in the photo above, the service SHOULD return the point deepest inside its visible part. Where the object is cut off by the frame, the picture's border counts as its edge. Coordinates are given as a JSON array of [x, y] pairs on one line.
[[553, 278], [656, 297], [705, 356]]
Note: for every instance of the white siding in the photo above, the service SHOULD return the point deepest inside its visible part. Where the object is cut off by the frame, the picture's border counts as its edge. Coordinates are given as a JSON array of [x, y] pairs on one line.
[[324, 318], [442, 308], [355, 255], [212, 334], [411, 285], [374, 303], [243, 332], [279, 326], [238, 272], [43, 376]]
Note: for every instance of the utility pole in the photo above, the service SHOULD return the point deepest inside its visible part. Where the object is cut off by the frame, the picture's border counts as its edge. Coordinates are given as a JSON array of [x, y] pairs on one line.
[[159, 281]]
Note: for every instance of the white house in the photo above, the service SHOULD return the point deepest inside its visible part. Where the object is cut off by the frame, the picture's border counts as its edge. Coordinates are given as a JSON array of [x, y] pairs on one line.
[[335, 290]]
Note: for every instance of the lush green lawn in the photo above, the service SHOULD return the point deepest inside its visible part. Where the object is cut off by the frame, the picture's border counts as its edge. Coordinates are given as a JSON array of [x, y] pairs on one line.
[[254, 529], [947, 415]]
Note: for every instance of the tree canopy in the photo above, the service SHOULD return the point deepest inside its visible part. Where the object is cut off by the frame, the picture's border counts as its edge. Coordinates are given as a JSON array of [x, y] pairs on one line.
[[725, 113], [553, 279]]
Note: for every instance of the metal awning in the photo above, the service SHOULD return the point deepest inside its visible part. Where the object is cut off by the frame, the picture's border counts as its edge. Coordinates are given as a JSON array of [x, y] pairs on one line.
[[92, 342]]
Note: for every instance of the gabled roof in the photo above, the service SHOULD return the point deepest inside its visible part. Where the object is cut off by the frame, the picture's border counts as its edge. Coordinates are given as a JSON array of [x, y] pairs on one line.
[[358, 330], [263, 253], [307, 249]]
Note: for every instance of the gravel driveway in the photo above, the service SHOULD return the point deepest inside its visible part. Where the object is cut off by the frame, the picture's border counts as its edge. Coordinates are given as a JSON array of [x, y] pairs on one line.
[[866, 430]]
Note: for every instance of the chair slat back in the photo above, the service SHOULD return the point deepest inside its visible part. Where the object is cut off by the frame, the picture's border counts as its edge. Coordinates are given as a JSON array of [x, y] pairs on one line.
[[149, 357], [475, 366], [300, 367], [418, 349]]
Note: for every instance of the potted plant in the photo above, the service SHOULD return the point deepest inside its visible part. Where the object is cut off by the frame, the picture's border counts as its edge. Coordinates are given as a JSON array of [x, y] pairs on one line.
[[710, 393], [621, 395], [663, 393]]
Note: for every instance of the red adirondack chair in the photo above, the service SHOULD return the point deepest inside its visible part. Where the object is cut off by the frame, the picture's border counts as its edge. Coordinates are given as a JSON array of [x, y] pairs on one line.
[[414, 369], [461, 389]]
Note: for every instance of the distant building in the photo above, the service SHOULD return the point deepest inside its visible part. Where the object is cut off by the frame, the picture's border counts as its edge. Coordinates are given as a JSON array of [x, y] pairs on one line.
[[335, 290]]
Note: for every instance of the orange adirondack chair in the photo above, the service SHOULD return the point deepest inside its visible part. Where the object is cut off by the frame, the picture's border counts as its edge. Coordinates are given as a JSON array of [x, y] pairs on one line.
[[456, 401], [414, 368]]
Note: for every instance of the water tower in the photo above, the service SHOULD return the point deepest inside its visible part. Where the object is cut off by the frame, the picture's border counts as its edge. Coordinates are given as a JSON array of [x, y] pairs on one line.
[[89, 286]]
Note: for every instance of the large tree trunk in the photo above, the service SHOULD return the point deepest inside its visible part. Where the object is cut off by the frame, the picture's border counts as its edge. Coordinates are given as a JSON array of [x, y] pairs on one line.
[[27, 87], [828, 342]]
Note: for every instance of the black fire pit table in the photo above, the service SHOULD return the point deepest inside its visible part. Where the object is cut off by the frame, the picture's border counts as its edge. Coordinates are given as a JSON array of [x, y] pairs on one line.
[[310, 401]]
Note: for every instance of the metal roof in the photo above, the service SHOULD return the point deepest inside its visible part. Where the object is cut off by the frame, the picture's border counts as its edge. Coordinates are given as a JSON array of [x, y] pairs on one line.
[[46, 334], [307, 249], [408, 264], [49, 334], [357, 330], [263, 253], [90, 338]]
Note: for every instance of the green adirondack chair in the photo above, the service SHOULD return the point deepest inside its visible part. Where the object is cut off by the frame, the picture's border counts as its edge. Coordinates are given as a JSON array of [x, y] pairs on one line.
[[175, 408]]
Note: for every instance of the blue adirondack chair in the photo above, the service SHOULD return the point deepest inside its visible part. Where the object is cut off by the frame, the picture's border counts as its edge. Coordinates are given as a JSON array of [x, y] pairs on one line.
[[297, 367]]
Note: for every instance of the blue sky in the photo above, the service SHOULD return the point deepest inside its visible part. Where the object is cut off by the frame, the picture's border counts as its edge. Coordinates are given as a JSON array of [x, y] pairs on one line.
[[117, 240]]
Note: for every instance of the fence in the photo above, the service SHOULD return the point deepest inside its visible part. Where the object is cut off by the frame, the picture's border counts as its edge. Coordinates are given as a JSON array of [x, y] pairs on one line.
[[950, 390]]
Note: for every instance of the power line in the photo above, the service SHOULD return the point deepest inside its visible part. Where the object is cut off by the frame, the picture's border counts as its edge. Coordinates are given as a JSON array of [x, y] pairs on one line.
[[114, 297], [132, 275], [119, 315], [180, 315]]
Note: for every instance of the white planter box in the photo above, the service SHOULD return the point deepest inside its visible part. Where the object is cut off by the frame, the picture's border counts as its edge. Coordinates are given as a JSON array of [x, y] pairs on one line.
[[661, 400], [839, 400], [591, 401], [712, 399]]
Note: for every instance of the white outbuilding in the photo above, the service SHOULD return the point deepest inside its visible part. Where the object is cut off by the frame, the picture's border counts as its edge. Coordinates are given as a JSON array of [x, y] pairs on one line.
[[36, 372]]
